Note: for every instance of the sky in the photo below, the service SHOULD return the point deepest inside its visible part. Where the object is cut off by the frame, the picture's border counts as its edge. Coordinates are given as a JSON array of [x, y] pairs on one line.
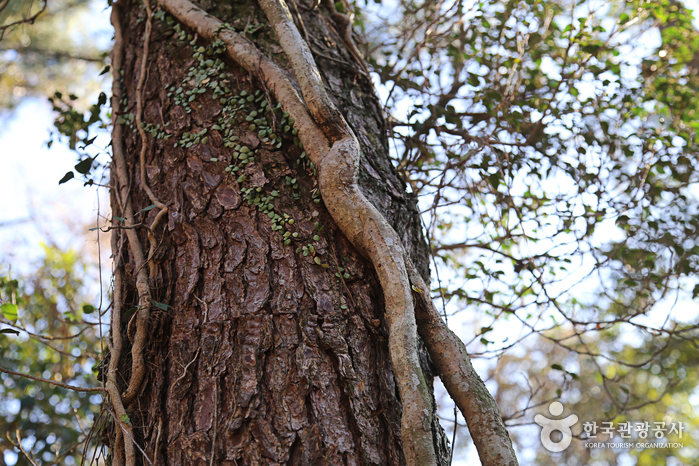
[[35, 207]]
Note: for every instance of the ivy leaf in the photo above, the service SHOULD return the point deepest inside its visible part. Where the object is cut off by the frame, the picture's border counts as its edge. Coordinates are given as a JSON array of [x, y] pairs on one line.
[[9, 310], [125, 419], [128, 313], [66, 177], [83, 167], [146, 209], [162, 306]]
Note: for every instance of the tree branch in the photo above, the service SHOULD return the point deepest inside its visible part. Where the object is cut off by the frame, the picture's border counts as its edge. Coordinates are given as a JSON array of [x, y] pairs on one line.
[[56, 54], [52, 382], [28, 19]]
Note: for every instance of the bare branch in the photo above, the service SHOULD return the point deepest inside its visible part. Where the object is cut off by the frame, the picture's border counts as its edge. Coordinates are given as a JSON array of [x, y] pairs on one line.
[[25, 20], [52, 382]]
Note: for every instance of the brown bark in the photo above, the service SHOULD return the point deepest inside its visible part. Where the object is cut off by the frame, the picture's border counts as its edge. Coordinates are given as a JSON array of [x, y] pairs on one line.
[[264, 356]]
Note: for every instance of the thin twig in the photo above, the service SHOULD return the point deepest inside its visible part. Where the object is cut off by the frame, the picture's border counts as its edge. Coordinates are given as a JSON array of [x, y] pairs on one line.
[[52, 382], [31, 459]]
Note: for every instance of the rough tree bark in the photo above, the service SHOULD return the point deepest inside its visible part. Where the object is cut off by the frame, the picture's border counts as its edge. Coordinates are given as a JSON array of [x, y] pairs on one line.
[[247, 329]]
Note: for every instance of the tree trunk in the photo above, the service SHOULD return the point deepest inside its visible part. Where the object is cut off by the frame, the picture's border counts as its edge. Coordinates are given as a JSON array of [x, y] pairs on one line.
[[266, 337]]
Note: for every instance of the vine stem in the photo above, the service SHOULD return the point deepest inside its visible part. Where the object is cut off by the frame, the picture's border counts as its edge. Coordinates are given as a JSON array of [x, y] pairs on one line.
[[163, 210], [465, 387], [138, 366], [124, 451]]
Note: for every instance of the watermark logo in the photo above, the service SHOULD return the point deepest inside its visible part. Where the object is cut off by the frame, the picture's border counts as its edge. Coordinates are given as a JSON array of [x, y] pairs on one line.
[[561, 425]]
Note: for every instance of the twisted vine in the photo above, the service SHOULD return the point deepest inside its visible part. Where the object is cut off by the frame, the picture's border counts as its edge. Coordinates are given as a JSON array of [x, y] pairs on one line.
[[124, 453], [125, 447]]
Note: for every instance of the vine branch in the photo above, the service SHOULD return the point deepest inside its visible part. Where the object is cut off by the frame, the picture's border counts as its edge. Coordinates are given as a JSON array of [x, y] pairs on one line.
[[124, 451]]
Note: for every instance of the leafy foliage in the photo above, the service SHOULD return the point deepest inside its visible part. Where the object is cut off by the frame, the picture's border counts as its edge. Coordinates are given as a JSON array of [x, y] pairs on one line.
[[53, 51], [553, 146], [77, 127], [54, 335]]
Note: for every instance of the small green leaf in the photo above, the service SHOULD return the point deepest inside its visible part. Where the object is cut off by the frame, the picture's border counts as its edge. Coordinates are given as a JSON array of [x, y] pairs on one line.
[[415, 288], [66, 177], [128, 313], [556, 367], [125, 419], [162, 306], [83, 167], [316, 259], [88, 309], [9, 330], [9, 310], [146, 209]]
